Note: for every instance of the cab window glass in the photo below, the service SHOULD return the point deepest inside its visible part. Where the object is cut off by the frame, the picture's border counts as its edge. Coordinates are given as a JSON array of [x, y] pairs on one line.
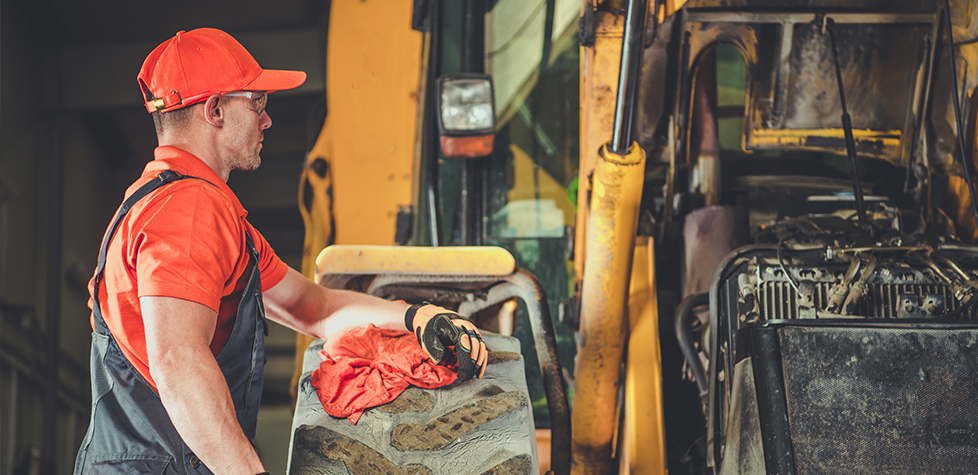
[[532, 52]]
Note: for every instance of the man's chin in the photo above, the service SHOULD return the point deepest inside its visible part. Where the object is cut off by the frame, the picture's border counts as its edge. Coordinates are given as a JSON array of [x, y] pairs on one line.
[[249, 165]]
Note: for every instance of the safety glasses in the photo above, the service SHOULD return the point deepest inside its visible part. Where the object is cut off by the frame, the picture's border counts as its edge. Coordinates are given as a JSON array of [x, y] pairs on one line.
[[258, 98]]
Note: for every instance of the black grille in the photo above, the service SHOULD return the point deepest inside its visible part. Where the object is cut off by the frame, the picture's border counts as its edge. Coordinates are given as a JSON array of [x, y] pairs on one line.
[[881, 400]]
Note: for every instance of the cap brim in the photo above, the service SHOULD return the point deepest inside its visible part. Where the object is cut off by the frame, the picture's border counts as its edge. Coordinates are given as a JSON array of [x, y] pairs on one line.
[[271, 80]]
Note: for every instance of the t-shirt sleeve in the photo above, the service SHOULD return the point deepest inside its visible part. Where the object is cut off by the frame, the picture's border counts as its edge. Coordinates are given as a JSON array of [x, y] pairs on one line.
[[185, 244]]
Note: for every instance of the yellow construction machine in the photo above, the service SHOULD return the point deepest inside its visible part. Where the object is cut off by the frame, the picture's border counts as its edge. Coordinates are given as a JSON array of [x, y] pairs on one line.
[[715, 236]]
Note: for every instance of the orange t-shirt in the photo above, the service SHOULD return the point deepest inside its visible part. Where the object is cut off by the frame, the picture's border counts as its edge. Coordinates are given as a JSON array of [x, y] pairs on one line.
[[184, 240]]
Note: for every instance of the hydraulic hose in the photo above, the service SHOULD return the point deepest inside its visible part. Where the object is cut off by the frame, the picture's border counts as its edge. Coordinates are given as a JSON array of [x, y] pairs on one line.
[[685, 338], [957, 109]]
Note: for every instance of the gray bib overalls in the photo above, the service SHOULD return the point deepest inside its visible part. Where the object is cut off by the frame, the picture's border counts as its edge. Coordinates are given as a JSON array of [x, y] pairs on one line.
[[130, 431]]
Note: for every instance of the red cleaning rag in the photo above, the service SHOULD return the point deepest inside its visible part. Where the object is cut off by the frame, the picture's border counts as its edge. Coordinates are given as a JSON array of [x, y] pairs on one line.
[[367, 367]]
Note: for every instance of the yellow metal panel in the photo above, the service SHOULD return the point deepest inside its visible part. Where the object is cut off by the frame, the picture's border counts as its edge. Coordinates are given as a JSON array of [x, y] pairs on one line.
[[672, 6], [318, 217], [667, 8], [372, 87], [833, 133], [450, 260], [643, 435], [888, 141], [958, 205]]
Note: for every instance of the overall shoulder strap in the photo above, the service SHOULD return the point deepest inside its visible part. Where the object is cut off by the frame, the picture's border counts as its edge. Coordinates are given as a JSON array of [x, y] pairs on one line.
[[167, 176]]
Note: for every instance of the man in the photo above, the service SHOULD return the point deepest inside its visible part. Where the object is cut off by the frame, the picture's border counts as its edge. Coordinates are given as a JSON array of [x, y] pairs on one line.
[[184, 282]]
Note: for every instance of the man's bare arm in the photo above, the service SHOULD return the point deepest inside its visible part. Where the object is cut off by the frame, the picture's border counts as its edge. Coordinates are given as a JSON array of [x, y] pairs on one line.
[[192, 386], [300, 304]]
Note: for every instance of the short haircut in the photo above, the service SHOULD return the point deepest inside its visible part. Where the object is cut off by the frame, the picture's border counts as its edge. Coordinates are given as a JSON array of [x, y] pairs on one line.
[[173, 120]]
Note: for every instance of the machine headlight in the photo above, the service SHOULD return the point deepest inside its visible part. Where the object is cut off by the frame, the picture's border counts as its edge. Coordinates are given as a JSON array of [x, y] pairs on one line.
[[466, 118]]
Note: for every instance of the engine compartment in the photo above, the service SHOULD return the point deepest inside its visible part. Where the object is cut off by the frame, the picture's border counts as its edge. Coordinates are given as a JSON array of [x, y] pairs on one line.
[[817, 335], [827, 267]]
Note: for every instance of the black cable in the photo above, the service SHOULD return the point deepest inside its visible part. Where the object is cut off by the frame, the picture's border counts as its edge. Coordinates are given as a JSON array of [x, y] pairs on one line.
[[683, 336], [957, 108], [791, 280], [966, 42], [910, 155]]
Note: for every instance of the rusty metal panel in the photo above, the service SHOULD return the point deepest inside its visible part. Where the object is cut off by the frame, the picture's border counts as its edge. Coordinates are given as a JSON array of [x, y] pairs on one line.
[[894, 68], [901, 6], [882, 71], [793, 100]]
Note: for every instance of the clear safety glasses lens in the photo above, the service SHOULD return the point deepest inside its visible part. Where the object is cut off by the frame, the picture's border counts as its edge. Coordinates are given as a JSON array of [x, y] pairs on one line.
[[258, 98]]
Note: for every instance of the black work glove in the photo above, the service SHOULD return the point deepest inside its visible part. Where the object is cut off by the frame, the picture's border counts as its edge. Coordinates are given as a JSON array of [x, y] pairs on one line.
[[438, 328]]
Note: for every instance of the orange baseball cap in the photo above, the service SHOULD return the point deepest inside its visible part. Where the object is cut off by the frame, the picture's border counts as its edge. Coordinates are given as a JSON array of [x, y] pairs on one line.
[[189, 67]]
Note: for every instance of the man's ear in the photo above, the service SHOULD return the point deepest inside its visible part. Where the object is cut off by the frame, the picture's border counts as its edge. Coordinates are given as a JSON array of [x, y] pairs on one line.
[[213, 111]]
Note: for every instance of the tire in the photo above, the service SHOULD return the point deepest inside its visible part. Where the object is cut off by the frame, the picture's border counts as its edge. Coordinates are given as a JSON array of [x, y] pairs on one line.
[[482, 426]]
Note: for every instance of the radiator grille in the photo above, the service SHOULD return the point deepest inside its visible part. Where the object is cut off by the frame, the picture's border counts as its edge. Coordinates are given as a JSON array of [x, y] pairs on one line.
[[873, 401]]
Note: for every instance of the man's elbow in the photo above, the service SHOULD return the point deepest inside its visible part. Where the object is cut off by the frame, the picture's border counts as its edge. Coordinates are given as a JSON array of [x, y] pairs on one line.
[[174, 367]]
